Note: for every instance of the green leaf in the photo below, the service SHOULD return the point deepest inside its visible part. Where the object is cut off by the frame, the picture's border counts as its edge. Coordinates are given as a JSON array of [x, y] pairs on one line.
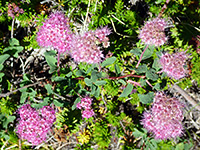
[[1, 75], [136, 133], [23, 97], [156, 65], [51, 60], [59, 79], [108, 61], [102, 82], [80, 73], [141, 69], [180, 146], [13, 42], [49, 88], [94, 76], [157, 86], [76, 102], [93, 89], [127, 90], [148, 53], [146, 98], [151, 74], [1, 67], [97, 92], [3, 58], [117, 69], [8, 120], [88, 82], [57, 103]]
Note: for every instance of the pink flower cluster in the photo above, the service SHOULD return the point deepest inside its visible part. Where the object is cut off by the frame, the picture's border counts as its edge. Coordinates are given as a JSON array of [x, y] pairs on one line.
[[85, 104], [165, 117], [152, 33], [55, 33], [173, 64], [14, 10], [34, 125], [86, 48]]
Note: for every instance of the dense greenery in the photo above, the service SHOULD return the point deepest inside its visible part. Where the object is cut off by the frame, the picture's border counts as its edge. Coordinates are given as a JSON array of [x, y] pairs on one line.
[[121, 92]]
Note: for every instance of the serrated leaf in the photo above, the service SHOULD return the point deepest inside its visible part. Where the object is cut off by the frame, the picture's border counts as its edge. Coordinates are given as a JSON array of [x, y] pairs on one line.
[[57, 103], [97, 92], [75, 103], [80, 73], [157, 86], [51, 60], [148, 53], [93, 89], [136, 51], [94, 76], [141, 69], [156, 65], [3, 58], [151, 74], [108, 61], [102, 82], [88, 82], [13, 41], [49, 88], [146, 98], [127, 90], [8, 120]]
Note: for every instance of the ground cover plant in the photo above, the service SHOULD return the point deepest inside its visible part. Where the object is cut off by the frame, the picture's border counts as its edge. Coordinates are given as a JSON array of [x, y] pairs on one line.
[[95, 74]]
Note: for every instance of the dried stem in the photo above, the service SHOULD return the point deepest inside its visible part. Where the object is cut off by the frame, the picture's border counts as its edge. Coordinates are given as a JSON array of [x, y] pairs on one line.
[[12, 29], [186, 96]]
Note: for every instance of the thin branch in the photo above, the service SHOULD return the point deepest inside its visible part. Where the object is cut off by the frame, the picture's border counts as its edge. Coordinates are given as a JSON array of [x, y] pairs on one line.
[[86, 16], [9, 93], [12, 29], [186, 96], [116, 30], [141, 56]]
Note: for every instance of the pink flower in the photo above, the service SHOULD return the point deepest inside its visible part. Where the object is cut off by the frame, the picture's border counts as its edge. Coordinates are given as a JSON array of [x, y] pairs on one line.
[[32, 126], [86, 47], [173, 64], [14, 10], [152, 33], [165, 117], [87, 113], [55, 33], [85, 105]]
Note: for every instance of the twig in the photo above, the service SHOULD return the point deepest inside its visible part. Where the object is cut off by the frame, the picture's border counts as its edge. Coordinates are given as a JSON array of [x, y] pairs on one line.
[[12, 29], [118, 19], [116, 30], [65, 145], [186, 96], [86, 16], [9, 93], [141, 56], [163, 8]]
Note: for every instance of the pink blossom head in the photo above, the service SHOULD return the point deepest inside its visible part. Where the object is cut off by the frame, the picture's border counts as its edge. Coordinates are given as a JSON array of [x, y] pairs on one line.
[[165, 117], [14, 10], [87, 113], [33, 124], [86, 47], [55, 33], [152, 33], [86, 107], [173, 64]]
